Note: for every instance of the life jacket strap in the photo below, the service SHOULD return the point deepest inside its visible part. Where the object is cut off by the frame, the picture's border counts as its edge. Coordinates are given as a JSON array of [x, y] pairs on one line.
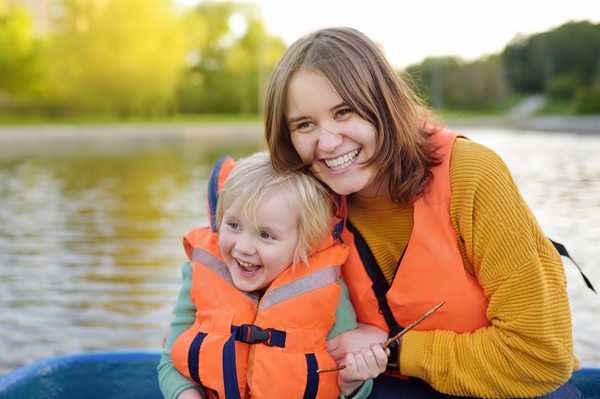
[[251, 334], [193, 357], [212, 195], [380, 285], [563, 252], [230, 379], [312, 377]]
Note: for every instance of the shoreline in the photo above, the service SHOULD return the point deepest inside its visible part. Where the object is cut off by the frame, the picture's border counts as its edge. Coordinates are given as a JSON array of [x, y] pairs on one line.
[[587, 124], [18, 141], [24, 140]]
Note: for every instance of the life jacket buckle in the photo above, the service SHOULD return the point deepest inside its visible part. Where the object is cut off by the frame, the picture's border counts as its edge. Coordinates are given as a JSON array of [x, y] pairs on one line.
[[251, 334]]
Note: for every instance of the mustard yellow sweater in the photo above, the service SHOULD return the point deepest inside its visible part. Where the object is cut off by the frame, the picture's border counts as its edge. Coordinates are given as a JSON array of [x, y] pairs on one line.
[[528, 350]]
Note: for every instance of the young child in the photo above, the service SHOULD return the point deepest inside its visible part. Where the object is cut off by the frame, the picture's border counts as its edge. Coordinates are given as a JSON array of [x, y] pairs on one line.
[[261, 294]]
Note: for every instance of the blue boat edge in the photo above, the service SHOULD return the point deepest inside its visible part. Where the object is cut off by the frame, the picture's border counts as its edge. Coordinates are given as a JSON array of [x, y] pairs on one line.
[[135, 371], [68, 377]]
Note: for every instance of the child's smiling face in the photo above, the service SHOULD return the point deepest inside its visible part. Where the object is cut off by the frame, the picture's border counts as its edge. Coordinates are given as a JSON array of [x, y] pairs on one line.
[[257, 255]]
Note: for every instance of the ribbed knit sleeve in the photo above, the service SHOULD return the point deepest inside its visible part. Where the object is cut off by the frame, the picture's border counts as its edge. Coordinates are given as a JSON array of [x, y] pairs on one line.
[[345, 317], [528, 349]]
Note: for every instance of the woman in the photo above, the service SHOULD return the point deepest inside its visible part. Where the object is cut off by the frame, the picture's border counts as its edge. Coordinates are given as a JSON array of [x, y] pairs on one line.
[[433, 216]]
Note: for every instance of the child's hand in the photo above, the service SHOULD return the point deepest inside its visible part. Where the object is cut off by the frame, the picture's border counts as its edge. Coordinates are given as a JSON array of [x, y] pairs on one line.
[[354, 340], [190, 393], [362, 365]]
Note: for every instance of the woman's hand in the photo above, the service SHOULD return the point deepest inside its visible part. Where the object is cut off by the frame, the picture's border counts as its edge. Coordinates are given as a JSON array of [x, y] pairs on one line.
[[353, 341], [365, 364]]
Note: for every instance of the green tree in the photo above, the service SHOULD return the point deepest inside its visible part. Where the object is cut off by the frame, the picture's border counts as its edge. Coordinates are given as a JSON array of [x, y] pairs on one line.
[[450, 82], [571, 49], [230, 58], [20, 52], [120, 57]]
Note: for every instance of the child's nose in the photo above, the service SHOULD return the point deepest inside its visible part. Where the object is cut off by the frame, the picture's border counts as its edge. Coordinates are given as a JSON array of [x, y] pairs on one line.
[[245, 245]]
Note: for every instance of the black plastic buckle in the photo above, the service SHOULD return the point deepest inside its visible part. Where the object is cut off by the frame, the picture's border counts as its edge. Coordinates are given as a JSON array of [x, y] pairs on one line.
[[251, 334]]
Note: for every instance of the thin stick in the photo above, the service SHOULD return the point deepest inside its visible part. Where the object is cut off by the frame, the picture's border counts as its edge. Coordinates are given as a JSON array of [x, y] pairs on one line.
[[407, 329], [395, 338]]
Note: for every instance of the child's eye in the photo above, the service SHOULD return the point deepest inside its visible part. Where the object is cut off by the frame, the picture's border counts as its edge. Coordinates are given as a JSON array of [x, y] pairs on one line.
[[266, 236], [233, 225]]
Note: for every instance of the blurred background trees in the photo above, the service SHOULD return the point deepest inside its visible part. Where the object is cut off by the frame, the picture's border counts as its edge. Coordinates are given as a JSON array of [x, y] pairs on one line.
[[118, 57], [128, 58], [562, 63], [230, 57], [153, 58]]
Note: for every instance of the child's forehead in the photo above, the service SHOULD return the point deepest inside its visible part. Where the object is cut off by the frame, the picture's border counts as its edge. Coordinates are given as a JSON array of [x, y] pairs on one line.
[[274, 208]]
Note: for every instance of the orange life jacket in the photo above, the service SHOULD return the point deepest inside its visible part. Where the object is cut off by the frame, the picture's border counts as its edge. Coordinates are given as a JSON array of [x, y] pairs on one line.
[[241, 346], [430, 271]]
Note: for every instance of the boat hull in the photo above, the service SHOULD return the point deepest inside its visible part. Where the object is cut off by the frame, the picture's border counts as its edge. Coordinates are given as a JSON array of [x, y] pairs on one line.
[[132, 375]]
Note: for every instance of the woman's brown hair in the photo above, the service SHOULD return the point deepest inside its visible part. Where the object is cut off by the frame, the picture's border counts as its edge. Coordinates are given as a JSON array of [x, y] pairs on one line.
[[356, 68]]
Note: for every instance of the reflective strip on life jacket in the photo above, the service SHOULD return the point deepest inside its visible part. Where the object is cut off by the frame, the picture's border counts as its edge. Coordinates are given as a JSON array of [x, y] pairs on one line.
[[301, 286], [219, 267]]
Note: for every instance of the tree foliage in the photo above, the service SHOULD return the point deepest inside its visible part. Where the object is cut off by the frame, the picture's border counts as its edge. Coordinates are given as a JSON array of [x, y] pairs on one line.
[[119, 57], [20, 52], [449, 82], [147, 57], [231, 56], [569, 50]]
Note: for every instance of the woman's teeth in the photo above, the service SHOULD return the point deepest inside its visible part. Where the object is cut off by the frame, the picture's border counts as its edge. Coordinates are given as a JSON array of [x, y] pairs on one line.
[[341, 162]]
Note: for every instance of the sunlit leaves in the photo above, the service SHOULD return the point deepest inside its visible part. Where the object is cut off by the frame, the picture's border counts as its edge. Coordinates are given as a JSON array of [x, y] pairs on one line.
[[119, 57]]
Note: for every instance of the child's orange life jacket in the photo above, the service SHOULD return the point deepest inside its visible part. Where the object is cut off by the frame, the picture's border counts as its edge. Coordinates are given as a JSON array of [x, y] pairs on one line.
[[241, 346]]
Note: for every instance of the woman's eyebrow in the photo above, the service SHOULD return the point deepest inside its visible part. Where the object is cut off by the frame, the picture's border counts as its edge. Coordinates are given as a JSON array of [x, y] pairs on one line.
[[342, 104], [296, 119], [302, 117]]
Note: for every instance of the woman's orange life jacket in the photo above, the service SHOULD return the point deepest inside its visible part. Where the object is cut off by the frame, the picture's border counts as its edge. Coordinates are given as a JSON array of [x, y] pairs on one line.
[[430, 271], [241, 346]]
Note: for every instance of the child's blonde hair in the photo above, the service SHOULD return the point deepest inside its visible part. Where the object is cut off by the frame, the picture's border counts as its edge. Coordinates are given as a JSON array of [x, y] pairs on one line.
[[254, 180]]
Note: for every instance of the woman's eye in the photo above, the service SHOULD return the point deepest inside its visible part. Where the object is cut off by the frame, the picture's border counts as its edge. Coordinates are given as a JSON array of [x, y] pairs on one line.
[[344, 112], [304, 125]]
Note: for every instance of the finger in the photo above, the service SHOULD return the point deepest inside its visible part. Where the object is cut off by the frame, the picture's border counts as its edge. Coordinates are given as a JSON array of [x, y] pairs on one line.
[[350, 373], [366, 365], [381, 357]]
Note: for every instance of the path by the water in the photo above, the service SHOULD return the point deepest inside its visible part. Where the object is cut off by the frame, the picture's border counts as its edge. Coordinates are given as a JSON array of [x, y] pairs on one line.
[[522, 117], [16, 141]]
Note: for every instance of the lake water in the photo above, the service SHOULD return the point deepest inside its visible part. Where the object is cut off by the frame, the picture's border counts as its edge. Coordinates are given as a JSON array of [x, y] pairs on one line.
[[90, 241]]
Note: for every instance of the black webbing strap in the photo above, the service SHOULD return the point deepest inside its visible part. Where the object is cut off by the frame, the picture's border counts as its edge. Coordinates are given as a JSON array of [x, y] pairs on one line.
[[380, 287], [563, 252]]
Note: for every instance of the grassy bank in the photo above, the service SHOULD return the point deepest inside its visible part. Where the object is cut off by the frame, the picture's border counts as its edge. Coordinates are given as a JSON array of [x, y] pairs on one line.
[[203, 119], [552, 107]]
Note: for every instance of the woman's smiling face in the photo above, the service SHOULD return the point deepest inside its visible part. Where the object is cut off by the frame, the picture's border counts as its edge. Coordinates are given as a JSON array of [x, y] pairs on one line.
[[330, 136]]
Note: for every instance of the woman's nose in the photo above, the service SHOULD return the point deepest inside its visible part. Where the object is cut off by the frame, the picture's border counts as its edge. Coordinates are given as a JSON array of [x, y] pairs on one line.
[[329, 139]]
